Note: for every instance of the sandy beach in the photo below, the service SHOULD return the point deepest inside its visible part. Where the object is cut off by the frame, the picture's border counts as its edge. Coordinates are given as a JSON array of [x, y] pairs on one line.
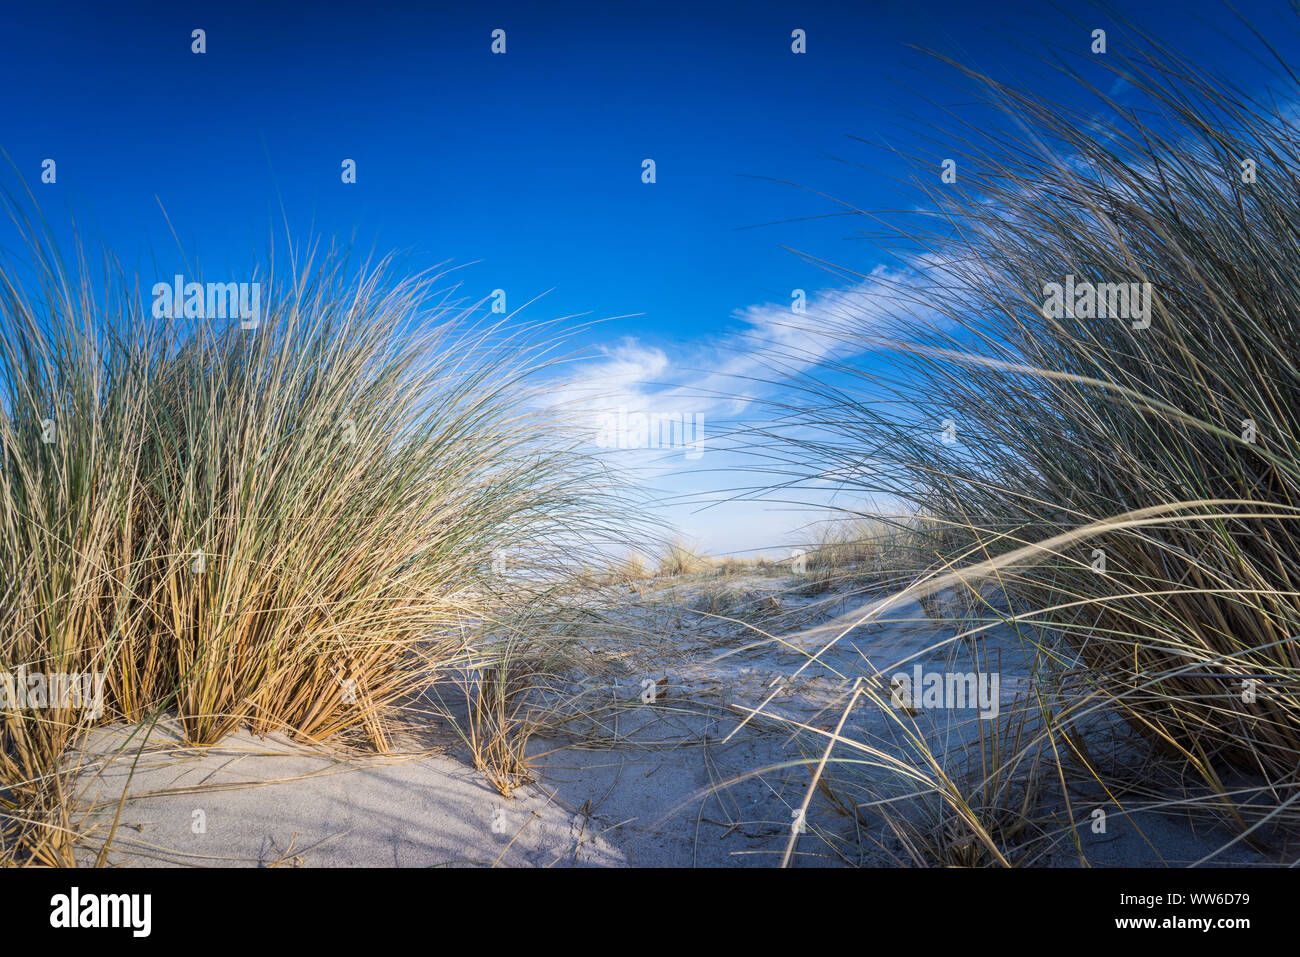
[[711, 774]]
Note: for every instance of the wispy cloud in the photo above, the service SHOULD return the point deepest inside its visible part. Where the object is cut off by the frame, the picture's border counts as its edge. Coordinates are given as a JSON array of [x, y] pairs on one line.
[[715, 385]]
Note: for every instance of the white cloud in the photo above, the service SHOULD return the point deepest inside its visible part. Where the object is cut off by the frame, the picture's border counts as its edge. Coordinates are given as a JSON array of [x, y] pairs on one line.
[[720, 380]]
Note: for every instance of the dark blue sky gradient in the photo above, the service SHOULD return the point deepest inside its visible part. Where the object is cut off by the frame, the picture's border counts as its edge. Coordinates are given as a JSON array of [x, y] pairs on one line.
[[528, 162]]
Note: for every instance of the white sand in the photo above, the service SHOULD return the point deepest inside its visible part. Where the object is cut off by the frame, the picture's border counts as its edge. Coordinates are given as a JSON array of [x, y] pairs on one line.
[[654, 786]]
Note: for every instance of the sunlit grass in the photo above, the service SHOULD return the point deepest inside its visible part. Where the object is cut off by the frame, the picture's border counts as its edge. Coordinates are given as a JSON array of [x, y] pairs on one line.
[[1125, 490], [290, 528]]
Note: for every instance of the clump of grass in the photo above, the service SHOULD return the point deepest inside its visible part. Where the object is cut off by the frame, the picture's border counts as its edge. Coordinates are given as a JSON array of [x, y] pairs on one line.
[[286, 528], [628, 570], [511, 697], [680, 559], [1131, 483], [741, 604], [865, 552], [731, 565], [1136, 434]]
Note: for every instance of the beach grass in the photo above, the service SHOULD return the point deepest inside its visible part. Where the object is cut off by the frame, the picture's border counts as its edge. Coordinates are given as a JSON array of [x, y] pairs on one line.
[[1125, 482], [293, 527]]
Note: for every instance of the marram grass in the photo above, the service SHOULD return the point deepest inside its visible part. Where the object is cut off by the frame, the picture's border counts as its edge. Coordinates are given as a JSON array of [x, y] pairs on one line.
[[1129, 484], [290, 528]]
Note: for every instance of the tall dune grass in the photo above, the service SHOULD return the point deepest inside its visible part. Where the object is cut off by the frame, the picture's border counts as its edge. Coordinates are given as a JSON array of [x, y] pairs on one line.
[[1133, 489], [291, 528]]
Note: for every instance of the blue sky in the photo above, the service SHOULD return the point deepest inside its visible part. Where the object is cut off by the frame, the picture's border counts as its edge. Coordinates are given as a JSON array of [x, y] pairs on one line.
[[529, 164]]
